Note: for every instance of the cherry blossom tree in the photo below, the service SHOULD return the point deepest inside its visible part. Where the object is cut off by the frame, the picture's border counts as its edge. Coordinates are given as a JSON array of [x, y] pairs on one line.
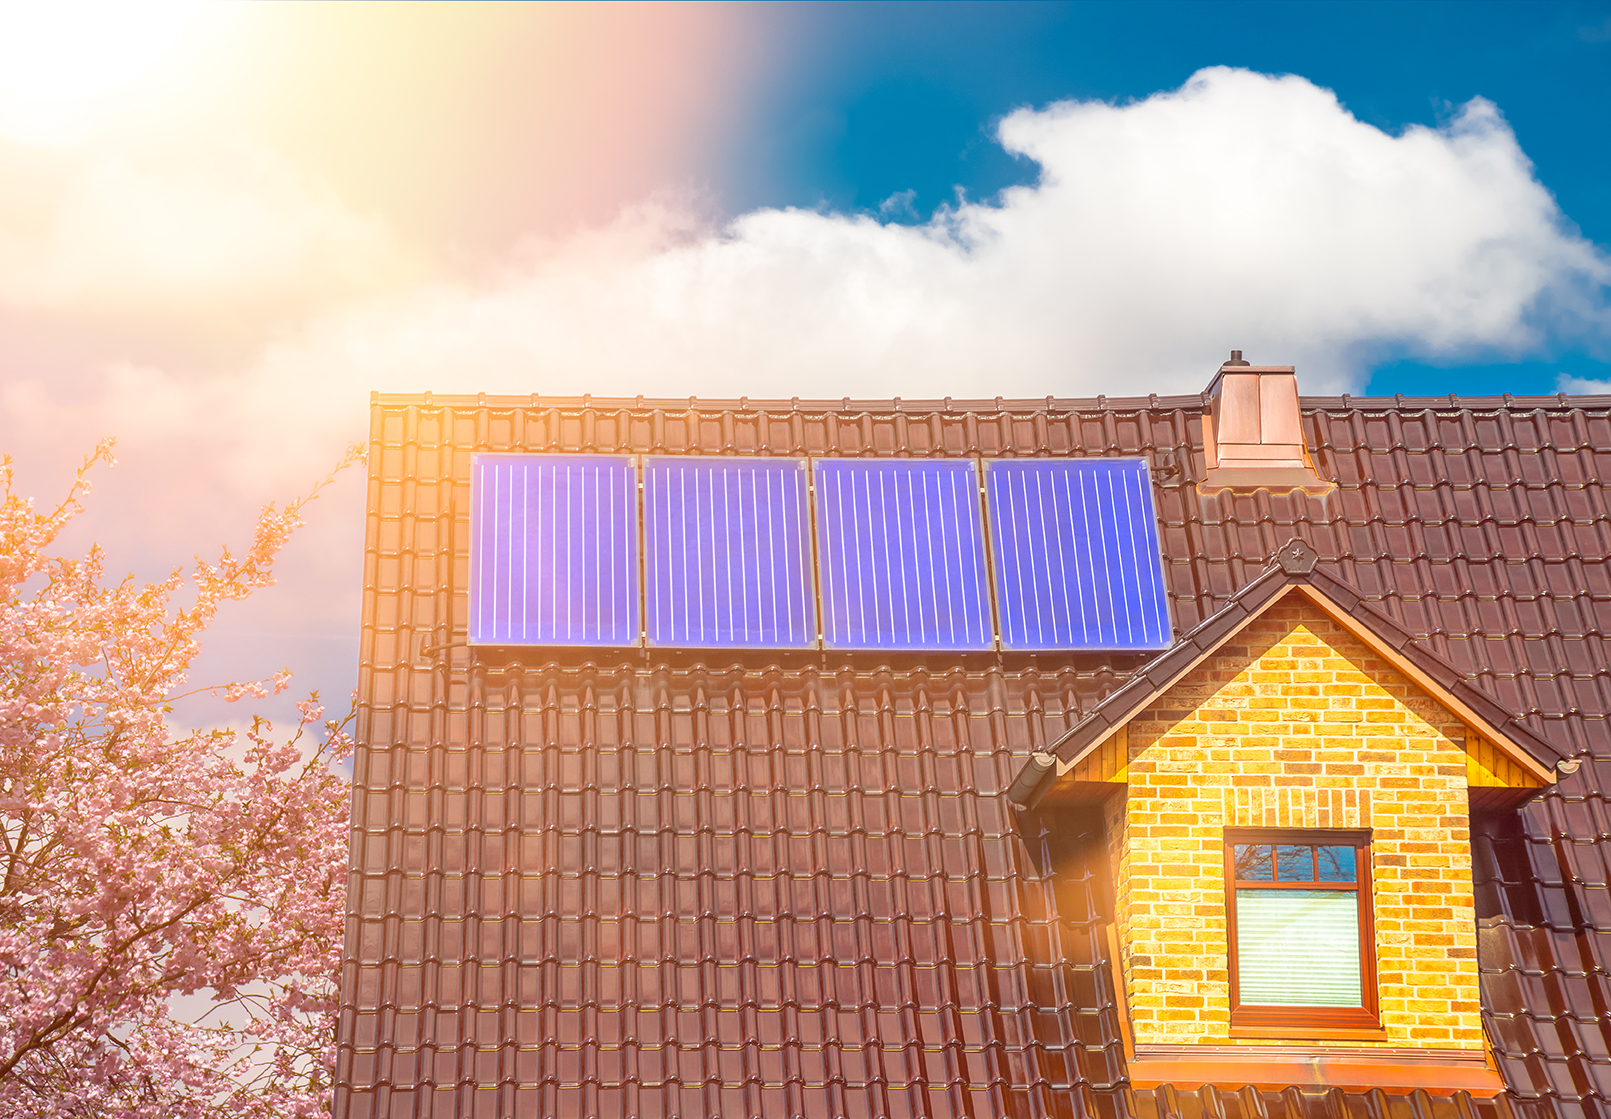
[[171, 901]]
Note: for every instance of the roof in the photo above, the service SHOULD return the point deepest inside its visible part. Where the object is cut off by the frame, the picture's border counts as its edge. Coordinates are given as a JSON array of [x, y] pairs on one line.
[[691, 883]]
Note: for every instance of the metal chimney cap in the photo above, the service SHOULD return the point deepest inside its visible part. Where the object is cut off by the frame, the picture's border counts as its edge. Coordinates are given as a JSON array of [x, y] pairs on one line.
[[1236, 359]]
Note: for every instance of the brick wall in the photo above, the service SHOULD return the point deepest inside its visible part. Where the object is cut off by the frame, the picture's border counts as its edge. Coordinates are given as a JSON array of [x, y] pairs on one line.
[[1296, 724]]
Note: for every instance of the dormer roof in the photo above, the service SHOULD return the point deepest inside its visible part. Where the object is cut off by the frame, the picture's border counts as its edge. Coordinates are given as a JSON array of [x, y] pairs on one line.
[[1294, 568]]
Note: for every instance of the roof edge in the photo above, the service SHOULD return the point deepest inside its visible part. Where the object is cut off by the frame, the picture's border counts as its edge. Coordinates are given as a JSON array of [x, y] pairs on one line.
[[959, 405]]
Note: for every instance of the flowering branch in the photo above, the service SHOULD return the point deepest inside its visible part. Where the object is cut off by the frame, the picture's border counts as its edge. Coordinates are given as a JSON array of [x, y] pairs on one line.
[[142, 867]]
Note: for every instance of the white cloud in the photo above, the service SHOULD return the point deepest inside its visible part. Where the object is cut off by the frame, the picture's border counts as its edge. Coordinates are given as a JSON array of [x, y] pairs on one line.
[[227, 240], [56, 57], [1241, 210], [1582, 386]]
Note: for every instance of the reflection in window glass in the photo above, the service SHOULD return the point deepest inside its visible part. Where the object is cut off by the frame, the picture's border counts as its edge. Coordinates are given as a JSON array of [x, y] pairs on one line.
[[1294, 863], [1337, 864], [1253, 862]]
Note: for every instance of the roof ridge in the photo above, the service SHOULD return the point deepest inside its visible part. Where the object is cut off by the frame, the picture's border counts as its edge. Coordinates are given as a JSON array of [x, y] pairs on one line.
[[960, 405]]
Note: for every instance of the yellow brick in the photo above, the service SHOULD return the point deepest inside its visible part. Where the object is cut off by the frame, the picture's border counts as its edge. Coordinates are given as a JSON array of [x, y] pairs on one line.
[[1301, 718]]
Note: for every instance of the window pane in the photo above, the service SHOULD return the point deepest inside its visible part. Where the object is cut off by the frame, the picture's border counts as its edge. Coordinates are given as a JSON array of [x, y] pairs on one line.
[[1337, 864], [1253, 862], [1294, 864], [1298, 947]]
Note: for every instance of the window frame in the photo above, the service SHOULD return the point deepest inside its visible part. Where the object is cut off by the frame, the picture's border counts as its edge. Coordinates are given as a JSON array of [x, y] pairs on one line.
[[1296, 1021]]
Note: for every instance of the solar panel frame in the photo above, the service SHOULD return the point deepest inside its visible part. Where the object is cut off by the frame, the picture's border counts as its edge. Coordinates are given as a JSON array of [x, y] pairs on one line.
[[1090, 575], [666, 505], [507, 525], [846, 591]]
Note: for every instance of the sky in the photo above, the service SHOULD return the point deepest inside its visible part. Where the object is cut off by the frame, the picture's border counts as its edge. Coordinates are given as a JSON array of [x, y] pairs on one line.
[[222, 225]]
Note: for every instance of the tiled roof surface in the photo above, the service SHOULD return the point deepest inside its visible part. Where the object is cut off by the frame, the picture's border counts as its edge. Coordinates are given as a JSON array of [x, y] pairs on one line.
[[790, 885]]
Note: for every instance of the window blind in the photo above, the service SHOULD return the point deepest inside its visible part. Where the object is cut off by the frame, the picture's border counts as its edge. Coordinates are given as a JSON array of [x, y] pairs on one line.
[[1298, 948]]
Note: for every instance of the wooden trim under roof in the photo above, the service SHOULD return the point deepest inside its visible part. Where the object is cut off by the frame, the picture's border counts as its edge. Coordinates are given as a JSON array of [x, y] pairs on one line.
[[1101, 773], [1488, 767], [1107, 760]]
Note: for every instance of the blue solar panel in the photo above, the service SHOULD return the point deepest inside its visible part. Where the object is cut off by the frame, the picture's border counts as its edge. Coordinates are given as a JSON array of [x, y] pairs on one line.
[[553, 550], [728, 550], [1077, 562], [900, 546]]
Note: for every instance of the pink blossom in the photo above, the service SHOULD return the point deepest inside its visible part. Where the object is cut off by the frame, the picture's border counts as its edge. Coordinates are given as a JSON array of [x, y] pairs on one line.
[[137, 864]]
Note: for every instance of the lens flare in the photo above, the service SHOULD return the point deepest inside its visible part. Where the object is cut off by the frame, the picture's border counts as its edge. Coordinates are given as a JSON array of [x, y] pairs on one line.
[[57, 58]]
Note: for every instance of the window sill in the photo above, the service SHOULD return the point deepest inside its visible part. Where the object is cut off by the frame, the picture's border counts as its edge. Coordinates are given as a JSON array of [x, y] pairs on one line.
[[1314, 1033], [1303, 1022], [1440, 1072]]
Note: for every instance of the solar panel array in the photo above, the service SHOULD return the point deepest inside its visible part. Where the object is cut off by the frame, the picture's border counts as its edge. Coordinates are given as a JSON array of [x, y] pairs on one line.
[[875, 554]]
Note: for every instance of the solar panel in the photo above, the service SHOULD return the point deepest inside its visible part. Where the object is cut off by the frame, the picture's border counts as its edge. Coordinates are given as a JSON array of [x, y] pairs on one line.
[[1076, 556], [900, 548], [553, 550], [728, 550]]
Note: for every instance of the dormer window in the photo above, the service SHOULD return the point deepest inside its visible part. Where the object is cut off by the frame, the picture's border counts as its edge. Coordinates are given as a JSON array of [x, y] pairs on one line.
[[1298, 914]]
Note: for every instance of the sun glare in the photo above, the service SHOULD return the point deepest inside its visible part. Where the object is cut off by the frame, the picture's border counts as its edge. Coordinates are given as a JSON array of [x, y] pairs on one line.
[[56, 56]]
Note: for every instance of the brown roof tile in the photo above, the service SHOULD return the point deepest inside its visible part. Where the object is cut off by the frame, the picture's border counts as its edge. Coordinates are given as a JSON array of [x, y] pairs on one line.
[[791, 885]]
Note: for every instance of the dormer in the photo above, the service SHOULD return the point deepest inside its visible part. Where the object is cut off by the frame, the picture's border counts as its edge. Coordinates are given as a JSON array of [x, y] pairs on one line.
[[1286, 796], [1253, 437]]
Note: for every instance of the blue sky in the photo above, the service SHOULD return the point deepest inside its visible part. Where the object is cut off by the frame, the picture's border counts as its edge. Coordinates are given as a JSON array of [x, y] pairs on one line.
[[866, 101]]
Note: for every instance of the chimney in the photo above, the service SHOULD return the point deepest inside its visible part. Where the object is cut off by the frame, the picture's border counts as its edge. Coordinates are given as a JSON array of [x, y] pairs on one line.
[[1254, 436]]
